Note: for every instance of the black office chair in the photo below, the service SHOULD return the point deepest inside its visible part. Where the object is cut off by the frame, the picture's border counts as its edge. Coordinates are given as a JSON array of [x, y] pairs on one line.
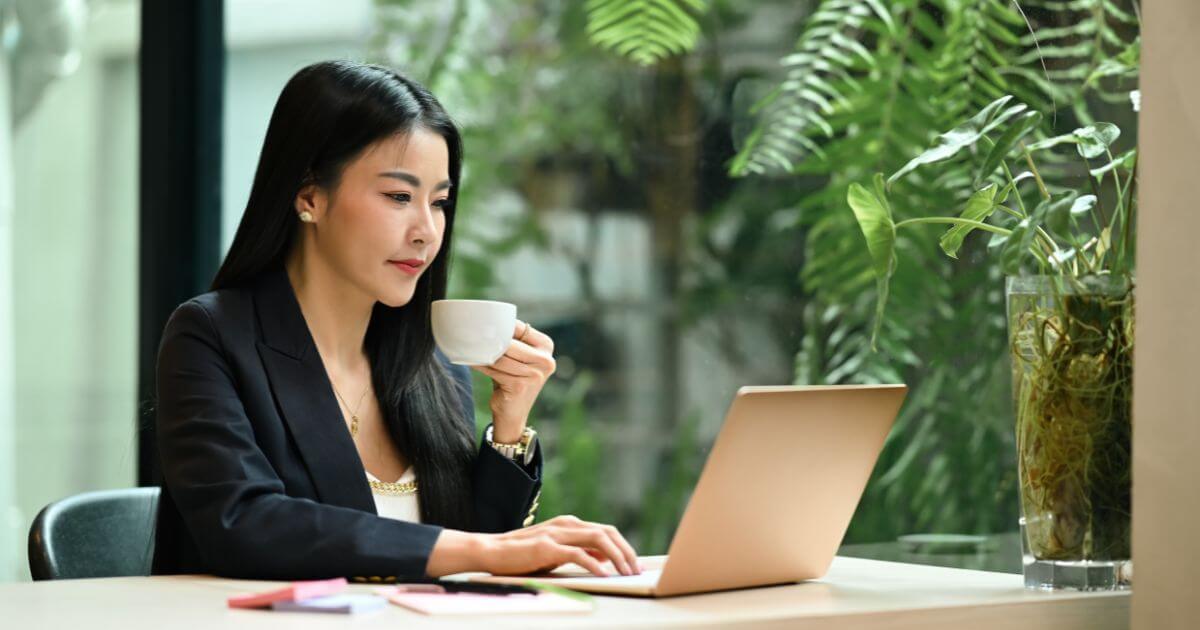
[[109, 533]]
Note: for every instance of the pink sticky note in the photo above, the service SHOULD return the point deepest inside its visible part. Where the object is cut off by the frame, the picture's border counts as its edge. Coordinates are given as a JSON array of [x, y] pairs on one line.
[[296, 591]]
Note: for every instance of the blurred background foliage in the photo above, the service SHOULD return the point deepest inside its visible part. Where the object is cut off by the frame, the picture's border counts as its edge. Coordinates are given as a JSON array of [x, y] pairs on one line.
[[732, 130]]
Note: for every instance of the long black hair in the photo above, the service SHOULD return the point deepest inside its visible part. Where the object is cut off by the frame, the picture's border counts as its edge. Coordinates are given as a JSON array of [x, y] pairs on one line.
[[327, 114]]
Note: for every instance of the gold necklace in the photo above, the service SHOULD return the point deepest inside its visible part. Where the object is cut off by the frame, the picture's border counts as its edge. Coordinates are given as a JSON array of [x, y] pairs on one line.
[[354, 413], [378, 487], [394, 488]]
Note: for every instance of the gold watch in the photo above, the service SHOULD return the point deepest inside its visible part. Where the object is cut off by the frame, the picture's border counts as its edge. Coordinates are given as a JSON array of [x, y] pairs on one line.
[[521, 451]]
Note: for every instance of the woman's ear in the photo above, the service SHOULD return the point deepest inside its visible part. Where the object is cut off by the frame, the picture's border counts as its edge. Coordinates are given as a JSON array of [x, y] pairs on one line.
[[312, 200]]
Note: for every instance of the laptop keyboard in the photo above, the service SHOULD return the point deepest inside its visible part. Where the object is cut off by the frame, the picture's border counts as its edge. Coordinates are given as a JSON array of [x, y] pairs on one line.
[[646, 578]]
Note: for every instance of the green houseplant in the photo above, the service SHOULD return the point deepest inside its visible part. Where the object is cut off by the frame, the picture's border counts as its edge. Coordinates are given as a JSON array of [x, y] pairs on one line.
[[1070, 264], [830, 115]]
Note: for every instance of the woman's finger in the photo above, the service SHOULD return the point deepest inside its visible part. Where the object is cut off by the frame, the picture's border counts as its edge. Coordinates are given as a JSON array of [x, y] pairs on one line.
[[581, 558], [503, 378], [627, 549], [595, 538], [511, 366], [567, 528], [525, 332], [525, 353], [602, 542]]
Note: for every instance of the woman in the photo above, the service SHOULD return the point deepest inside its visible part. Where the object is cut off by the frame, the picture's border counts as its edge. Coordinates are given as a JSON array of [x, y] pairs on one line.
[[306, 425]]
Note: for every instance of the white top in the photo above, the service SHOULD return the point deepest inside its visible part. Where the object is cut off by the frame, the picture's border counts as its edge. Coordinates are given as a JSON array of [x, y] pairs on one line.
[[400, 507]]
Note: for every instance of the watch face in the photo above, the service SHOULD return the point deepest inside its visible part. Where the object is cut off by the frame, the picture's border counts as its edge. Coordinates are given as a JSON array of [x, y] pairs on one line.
[[529, 449]]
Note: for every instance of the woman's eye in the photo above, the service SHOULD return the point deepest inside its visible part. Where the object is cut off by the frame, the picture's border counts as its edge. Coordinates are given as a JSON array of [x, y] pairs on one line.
[[440, 204]]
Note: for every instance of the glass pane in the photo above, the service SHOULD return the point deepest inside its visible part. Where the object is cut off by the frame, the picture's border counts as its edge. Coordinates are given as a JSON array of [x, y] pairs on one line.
[[680, 232], [71, 158], [267, 41]]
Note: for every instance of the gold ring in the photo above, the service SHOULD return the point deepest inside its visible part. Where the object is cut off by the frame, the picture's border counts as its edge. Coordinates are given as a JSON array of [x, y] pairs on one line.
[[521, 337]]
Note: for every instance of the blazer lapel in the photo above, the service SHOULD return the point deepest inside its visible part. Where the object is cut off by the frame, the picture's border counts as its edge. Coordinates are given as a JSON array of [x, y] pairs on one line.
[[305, 396]]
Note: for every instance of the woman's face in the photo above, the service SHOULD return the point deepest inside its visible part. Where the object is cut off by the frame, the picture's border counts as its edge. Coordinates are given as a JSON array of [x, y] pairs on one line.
[[383, 224]]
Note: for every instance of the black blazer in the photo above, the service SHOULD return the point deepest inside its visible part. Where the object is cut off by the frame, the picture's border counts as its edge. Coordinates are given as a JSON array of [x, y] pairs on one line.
[[260, 476]]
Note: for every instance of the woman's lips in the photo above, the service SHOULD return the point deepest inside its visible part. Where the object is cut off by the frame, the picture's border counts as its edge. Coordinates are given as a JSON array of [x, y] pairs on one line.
[[410, 267]]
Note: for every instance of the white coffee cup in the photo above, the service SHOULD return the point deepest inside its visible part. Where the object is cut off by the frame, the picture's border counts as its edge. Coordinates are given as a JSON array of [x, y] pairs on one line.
[[473, 332]]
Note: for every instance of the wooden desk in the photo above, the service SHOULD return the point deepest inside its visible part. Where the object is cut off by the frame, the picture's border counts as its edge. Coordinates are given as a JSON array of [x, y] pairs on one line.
[[857, 593]]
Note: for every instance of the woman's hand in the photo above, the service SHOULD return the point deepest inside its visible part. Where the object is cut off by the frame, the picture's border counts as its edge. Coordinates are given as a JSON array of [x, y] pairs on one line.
[[517, 379], [535, 549], [560, 540]]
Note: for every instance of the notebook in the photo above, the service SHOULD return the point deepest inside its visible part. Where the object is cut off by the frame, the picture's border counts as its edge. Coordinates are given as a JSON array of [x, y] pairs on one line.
[[477, 604]]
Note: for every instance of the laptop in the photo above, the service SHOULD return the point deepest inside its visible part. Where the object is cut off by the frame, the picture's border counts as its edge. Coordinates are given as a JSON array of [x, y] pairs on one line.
[[775, 497]]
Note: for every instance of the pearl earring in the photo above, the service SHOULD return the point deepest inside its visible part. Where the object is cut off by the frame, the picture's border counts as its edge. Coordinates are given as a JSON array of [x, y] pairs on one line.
[[306, 217]]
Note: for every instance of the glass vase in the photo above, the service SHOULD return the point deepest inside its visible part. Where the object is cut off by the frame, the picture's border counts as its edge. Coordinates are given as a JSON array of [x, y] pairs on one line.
[[1071, 340]]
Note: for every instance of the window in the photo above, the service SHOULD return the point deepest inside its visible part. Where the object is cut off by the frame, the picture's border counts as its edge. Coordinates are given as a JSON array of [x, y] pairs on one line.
[[678, 242], [70, 244]]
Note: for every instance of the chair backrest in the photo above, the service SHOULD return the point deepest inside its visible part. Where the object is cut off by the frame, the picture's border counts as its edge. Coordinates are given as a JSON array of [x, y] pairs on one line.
[[109, 533]]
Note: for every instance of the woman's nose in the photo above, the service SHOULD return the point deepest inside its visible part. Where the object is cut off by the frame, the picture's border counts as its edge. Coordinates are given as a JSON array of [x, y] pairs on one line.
[[424, 228]]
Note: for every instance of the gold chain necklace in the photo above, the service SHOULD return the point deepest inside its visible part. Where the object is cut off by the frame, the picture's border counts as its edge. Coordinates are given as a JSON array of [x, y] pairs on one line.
[[354, 413], [394, 488]]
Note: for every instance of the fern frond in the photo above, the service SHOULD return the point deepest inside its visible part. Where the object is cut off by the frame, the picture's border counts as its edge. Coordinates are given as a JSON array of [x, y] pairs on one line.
[[644, 31], [1089, 34], [984, 42], [818, 77]]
